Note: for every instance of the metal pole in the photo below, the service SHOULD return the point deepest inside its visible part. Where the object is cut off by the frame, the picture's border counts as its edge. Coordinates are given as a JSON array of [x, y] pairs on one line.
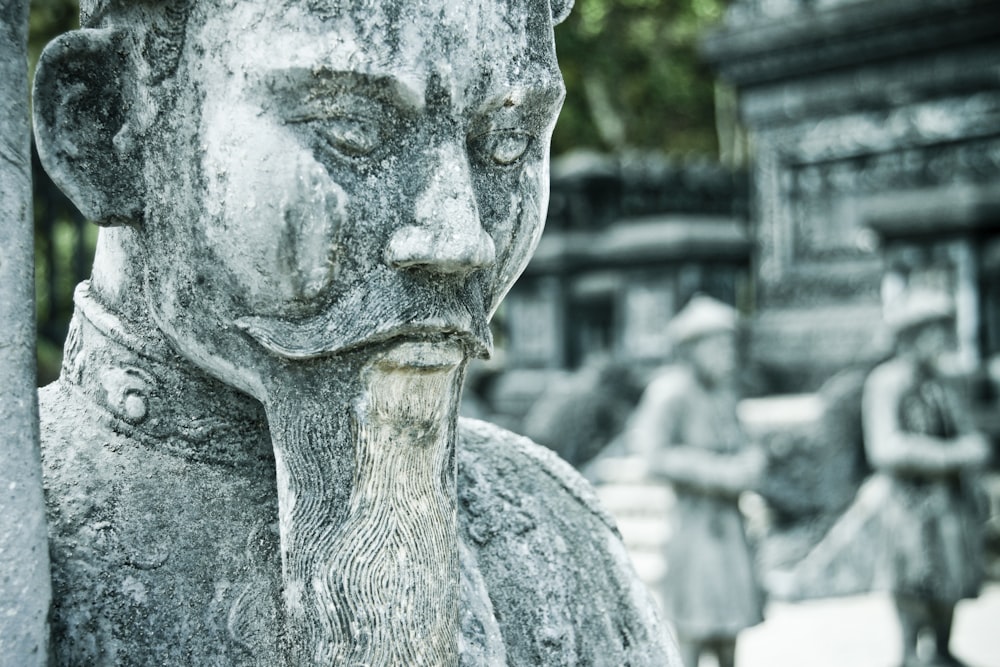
[[25, 587]]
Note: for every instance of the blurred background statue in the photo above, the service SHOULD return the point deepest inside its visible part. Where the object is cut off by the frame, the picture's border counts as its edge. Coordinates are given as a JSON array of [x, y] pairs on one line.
[[919, 437], [686, 426], [584, 412]]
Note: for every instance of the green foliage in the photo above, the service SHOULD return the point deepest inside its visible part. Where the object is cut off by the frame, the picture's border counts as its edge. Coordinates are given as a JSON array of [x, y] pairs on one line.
[[48, 19], [633, 76]]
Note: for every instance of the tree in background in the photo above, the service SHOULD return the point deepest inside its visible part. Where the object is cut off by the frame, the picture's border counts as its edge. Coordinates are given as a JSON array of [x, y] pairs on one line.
[[64, 243], [49, 18], [634, 78]]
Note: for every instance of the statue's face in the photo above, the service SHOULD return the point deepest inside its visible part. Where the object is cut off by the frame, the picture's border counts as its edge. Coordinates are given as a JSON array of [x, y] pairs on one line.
[[715, 355], [933, 341], [352, 177]]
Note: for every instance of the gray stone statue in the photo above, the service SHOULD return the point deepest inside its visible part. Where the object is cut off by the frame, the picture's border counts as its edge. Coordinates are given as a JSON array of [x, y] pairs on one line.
[[919, 438], [252, 456], [686, 428]]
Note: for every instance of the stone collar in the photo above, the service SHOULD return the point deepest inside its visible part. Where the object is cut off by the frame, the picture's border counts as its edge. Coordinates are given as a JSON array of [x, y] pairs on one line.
[[145, 391]]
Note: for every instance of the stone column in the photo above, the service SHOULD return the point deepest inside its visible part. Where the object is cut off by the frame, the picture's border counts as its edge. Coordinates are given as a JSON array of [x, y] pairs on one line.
[[24, 564]]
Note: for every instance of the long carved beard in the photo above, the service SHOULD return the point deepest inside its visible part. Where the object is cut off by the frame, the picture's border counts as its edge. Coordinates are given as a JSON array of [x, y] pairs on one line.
[[367, 512]]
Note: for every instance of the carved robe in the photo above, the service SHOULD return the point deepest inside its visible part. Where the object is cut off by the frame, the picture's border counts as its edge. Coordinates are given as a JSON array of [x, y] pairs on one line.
[[692, 439], [162, 507]]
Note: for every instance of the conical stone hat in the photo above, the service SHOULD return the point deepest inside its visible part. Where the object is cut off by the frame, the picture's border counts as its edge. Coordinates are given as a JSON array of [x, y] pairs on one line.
[[919, 307], [702, 316]]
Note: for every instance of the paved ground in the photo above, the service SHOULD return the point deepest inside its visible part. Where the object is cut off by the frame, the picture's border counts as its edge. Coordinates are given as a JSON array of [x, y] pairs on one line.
[[861, 632]]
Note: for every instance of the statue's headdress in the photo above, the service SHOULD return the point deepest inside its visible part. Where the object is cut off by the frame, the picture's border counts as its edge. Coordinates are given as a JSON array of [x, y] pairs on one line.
[[918, 307], [92, 11], [702, 316]]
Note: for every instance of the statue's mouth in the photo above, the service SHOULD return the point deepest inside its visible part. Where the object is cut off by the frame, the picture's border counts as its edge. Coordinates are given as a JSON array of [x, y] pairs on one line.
[[319, 337], [428, 355], [375, 314]]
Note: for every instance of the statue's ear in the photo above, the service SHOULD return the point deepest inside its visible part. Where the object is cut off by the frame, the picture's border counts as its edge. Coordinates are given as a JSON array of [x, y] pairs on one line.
[[560, 10], [83, 85]]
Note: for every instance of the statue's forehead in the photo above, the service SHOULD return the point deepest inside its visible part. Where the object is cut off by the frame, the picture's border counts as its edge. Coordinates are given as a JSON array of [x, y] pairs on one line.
[[460, 43]]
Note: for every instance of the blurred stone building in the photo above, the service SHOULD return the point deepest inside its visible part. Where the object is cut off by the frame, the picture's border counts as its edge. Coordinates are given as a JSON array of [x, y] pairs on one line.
[[875, 164], [875, 128], [627, 241]]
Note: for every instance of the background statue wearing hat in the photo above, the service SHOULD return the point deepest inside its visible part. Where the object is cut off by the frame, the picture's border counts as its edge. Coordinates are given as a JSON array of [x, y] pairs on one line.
[[919, 436], [686, 427]]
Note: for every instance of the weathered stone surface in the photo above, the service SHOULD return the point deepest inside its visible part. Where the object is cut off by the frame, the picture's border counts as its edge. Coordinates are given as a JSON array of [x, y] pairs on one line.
[[24, 576], [253, 455], [816, 449], [165, 535], [581, 414]]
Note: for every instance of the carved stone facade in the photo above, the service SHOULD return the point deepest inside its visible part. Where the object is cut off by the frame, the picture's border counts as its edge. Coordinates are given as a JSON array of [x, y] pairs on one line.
[[628, 241], [848, 101]]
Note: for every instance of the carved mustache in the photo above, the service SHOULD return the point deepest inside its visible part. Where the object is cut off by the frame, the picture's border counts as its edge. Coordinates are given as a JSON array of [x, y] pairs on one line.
[[367, 317]]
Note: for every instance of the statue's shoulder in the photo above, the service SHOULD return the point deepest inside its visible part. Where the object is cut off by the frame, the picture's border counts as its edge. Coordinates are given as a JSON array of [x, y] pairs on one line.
[[889, 378], [670, 385], [510, 462], [61, 410], [551, 558], [137, 531], [73, 440], [78, 455]]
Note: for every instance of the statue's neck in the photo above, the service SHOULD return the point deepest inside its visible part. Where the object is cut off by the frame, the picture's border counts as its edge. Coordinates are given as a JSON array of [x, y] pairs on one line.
[[145, 390]]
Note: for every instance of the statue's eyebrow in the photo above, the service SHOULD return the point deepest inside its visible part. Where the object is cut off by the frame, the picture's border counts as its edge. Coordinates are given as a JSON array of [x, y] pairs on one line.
[[538, 96], [530, 105], [302, 85]]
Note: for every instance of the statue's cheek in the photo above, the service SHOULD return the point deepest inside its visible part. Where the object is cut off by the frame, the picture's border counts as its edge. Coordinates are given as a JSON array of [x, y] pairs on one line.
[[313, 209], [275, 217], [513, 216]]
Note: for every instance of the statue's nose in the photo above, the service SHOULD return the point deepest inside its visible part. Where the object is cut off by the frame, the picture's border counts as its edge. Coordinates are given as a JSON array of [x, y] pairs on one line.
[[446, 236]]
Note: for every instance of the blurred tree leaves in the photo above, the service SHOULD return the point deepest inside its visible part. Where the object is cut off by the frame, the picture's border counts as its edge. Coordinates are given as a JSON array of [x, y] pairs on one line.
[[48, 19], [633, 76]]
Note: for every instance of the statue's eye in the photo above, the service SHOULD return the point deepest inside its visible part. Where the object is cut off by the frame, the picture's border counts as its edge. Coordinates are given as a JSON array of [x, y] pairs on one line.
[[350, 136], [502, 147]]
